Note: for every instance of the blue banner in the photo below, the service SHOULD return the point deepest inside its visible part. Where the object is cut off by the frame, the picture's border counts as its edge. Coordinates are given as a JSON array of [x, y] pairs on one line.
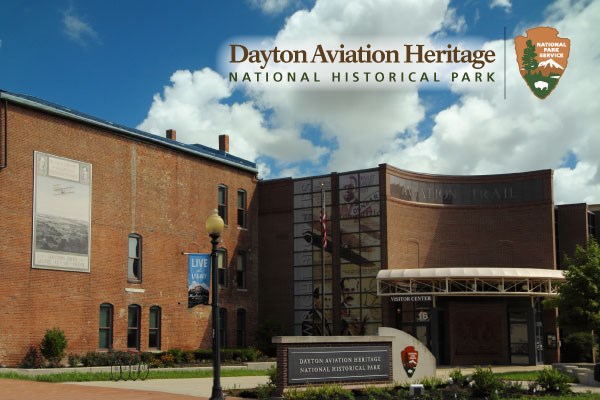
[[198, 279]]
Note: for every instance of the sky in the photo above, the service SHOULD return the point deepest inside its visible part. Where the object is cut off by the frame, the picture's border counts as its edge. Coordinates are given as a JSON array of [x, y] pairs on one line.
[[159, 65]]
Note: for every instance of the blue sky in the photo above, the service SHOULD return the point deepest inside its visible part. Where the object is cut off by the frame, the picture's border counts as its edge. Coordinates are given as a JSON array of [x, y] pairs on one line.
[[154, 65]]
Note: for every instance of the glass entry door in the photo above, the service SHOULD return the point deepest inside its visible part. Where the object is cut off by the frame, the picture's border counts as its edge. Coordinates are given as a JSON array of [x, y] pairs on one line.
[[519, 343]]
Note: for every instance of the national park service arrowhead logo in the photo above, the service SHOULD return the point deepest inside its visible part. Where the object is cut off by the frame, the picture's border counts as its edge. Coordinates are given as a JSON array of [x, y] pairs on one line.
[[410, 359], [542, 57]]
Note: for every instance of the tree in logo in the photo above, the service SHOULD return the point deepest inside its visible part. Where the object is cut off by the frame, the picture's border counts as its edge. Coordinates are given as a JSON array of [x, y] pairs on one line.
[[530, 63]]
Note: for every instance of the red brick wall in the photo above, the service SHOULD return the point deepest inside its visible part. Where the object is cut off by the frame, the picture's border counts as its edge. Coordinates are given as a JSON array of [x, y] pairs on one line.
[[161, 194], [432, 236]]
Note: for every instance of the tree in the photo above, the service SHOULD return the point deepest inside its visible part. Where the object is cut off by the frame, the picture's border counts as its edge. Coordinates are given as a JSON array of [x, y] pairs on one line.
[[53, 346], [578, 300], [530, 63]]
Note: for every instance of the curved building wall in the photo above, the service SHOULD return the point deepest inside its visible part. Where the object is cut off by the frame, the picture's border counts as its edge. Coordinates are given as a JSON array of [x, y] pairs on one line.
[[451, 221]]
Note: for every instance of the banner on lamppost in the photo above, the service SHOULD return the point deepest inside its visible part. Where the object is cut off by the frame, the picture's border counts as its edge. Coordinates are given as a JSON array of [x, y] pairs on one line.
[[198, 279]]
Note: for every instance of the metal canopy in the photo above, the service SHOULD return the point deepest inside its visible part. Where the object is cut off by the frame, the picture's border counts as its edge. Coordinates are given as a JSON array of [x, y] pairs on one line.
[[530, 282]]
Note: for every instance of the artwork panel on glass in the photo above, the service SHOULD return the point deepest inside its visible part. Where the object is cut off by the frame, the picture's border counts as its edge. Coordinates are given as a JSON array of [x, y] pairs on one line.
[[303, 288], [370, 299], [325, 180], [303, 302], [370, 178], [370, 270], [302, 245], [303, 186], [374, 314], [371, 253], [303, 258], [349, 225], [303, 273], [303, 215], [303, 201], [369, 194], [301, 229], [370, 224], [349, 271], [368, 239]]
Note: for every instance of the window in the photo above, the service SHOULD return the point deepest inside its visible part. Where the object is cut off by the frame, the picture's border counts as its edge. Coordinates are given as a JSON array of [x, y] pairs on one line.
[[241, 212], [154, 328], [134, 262], [133, 327], [240, 276], [222, 267], [105, 335], [241, 328], [222, 206], [223, 327]]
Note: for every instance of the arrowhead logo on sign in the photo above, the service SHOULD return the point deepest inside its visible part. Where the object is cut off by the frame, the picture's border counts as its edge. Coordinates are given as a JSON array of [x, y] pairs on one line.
[[410, 359], [542, 57]]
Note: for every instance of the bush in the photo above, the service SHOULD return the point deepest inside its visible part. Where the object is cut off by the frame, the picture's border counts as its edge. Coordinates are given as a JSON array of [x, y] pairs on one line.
[[577, 347], [75, 360], [552, 381], [432, 382], [333, 392], [485, 383], [457, 377], [53, 346], [33, 359], [265, 391]]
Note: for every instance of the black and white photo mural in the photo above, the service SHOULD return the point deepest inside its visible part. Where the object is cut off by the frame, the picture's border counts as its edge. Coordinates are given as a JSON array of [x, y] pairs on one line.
[[62, 195]]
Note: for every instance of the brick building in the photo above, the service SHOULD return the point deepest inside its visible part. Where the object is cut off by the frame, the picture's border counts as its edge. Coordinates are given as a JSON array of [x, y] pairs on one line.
[[94, 220], [460, 262]]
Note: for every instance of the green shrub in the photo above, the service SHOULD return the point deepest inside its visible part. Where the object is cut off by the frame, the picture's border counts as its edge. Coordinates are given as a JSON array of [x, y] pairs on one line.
[[552, 381], [330, 392], [265, 391], [432, 382], [577, 347], [53, 346], [32, 359], [378, 393], [457, 377], [485, 383], [74, 360], [272, 373], [178, 355]]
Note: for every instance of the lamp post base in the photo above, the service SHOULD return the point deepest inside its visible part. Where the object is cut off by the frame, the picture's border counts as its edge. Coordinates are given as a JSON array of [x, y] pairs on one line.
[[217, 394]]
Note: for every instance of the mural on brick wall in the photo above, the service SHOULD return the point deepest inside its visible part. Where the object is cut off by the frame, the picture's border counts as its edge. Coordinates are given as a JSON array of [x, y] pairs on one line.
[[61, 213], [359, 248]]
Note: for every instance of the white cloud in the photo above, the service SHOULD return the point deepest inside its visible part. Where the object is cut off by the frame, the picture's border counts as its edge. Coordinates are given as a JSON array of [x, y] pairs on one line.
[[194, 106], [506, 4], [271, 6], [481, 133], [77, 30], [484, 133], [453, 22]]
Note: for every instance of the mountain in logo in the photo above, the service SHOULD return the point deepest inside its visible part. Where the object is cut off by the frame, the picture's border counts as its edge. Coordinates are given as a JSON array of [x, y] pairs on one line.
[[550, 63]]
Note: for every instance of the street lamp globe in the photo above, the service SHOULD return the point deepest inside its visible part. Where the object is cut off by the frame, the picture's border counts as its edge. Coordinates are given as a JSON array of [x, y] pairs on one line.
[[214, 224]]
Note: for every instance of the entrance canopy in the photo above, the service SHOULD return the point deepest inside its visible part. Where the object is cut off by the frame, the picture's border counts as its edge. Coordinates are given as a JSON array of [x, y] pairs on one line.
[[479, 281]]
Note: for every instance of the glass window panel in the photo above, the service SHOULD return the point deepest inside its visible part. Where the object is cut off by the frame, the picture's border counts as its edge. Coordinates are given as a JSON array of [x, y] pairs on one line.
[[370, 300], [104, 339], [350, 286], [369, 285], [348, 181], [303, 302], [133, 247], [316, 198], [371, 253], [349, 225], [371, 269], [369, 194], [317, 272], [317, 257], [326, 181], [153, 319], [301, 229], [303, 215], [370, 239], [372, 328], [301, 244], [303, 273], [350, 241], [317, 285], [349, 270], [104, 316], [304, 258], [369, 178], [222, 195], [374, 314], [241, 199], [153, 339], [303, 200], [370, 224], [303, 288], [369, 209], [303, 186], [350, 210]]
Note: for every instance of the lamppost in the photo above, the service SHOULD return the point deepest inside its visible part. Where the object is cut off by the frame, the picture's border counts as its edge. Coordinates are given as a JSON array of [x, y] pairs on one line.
[[214, 227]]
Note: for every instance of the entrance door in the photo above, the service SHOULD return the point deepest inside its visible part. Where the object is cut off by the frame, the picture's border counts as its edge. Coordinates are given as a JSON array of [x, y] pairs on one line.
[[414, 319], [519, 343]]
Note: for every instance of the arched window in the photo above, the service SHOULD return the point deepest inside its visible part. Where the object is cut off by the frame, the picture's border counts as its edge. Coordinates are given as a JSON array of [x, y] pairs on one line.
[[134, 317], [105, 329], [154, 329]]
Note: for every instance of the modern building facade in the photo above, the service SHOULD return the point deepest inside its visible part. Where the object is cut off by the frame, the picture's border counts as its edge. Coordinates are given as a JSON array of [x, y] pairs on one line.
[[459, 262], [96, 219]]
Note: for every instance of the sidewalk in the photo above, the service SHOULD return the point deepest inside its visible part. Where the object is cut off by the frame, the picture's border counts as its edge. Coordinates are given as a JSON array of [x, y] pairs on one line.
[[169, 389]]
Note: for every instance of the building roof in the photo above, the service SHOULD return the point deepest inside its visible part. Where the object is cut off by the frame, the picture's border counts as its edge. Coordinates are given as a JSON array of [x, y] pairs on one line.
[[193, 149]]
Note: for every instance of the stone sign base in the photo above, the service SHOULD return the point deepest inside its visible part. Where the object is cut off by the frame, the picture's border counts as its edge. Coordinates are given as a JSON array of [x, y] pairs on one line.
[[393, 356]]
